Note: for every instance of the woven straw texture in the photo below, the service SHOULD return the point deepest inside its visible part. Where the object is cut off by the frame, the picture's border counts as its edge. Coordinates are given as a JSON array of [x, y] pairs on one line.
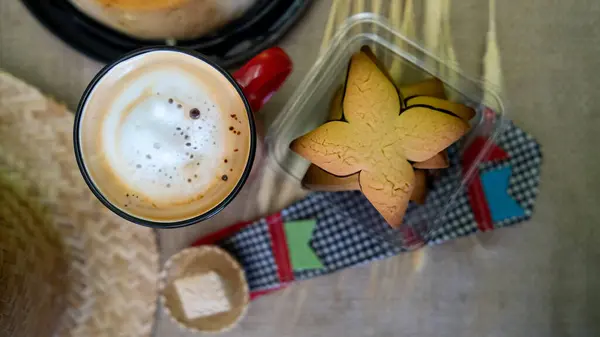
[[112, 265], [33, 267]]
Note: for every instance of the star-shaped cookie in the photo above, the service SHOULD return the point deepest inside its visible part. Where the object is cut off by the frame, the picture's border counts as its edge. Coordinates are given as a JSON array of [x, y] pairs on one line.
[[378, 139]]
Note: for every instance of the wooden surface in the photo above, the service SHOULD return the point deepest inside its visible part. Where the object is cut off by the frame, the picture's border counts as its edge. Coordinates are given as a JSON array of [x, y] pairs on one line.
[[541, 278]]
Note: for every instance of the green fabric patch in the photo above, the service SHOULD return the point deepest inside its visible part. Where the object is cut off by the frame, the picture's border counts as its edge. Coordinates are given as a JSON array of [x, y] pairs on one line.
[[298, 234]]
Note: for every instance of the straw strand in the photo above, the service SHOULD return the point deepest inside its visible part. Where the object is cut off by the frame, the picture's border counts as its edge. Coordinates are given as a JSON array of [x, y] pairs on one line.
[[396, 18], [449, 55], [432, 25], [492, 68], [329, 28]]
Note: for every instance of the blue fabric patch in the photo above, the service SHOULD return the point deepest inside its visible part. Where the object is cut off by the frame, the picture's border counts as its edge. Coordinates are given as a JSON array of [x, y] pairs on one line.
[[495, 185]]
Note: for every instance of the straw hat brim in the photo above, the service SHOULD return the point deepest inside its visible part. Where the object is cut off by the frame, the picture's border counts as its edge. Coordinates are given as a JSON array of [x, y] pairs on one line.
[[33, 266], [113, 264]]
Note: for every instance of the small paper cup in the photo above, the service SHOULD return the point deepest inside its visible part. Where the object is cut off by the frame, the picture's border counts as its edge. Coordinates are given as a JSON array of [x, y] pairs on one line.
[[199, 260]]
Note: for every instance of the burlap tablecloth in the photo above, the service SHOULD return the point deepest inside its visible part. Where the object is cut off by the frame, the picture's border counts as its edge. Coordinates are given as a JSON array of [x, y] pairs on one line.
[[538, 279]]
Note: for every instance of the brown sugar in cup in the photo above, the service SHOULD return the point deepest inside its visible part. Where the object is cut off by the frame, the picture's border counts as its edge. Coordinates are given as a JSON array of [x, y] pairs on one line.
[[197, 261]]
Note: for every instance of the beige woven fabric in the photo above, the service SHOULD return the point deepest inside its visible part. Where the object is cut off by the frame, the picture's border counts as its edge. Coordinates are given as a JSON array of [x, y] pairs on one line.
[[113, 269], [33, 266]]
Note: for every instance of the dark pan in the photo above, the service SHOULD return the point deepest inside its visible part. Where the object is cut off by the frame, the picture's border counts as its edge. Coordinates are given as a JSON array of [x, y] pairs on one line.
[[237, 42]]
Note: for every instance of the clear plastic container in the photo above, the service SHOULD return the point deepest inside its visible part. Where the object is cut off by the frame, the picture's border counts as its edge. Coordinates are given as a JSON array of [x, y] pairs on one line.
[[309, 106]]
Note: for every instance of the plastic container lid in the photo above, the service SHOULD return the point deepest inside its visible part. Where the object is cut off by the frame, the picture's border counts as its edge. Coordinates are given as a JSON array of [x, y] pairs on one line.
[[309, 106]]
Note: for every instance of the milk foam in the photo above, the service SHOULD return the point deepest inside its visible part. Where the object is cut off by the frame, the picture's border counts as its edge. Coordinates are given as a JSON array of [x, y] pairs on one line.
[[165, 136], [155, 146]]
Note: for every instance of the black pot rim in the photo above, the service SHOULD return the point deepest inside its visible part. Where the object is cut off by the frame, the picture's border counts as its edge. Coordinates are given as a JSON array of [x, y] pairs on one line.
[[265, 23], [137, 220]]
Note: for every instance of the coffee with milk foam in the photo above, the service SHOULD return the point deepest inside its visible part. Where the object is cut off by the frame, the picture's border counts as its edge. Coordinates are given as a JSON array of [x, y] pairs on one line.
[[165, 136]]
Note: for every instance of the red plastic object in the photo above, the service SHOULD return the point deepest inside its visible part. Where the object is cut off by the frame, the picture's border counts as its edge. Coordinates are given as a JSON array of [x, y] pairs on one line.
[[477, 199], [278, 245], [263, 75], [222, 234], [260, 293], [280, 248]]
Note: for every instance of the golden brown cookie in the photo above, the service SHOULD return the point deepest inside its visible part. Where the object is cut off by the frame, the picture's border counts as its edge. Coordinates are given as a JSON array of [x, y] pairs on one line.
[[439, 161], [377, 141], [432, 87], [459, 110], [317, 179], [336, 147], [419, 97], [369, 53], [420, 191], [390, 189], [425, 132], [335, 108]]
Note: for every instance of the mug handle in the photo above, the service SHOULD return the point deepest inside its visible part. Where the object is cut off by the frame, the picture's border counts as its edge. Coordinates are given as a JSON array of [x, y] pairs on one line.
[[263, 75]]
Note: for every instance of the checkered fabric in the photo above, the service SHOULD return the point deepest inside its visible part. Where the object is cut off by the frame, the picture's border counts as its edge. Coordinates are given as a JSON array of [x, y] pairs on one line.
[[525, 161], [457, 219], [443, 220], [252, 248], [350, 231]]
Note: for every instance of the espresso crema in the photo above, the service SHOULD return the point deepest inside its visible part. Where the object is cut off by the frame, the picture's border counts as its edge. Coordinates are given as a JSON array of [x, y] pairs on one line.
[[165, 136]]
